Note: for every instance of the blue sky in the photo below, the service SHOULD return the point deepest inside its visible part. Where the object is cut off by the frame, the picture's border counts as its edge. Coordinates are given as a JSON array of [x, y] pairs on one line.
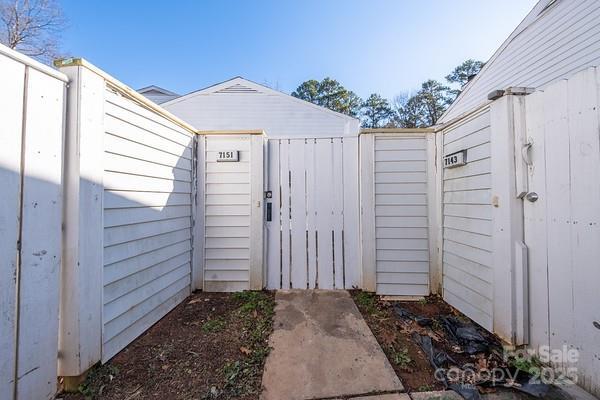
[[383, 46]]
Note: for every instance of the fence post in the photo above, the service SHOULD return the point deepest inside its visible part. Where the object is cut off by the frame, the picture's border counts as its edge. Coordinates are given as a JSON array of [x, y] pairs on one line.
[[80, 337], [367, 210], [508, 255]]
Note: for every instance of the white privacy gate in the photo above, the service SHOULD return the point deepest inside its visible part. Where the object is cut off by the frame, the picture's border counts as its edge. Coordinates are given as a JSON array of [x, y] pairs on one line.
[[312, 215], [562, 228]]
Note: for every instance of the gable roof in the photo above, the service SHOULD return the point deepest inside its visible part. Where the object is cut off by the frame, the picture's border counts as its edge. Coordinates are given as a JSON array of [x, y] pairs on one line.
[[239, 84], [157, 90], [518, 49]]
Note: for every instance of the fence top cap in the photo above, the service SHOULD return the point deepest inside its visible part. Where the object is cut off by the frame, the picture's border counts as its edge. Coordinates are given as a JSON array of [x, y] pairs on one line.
[[232, 132], [396, 130]]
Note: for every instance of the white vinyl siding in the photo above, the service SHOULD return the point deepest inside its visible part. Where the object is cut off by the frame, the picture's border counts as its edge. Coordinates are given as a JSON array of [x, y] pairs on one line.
[[227, 215], [243, 105], [561, 41], [401, 224], [467, 225], [147, 220]]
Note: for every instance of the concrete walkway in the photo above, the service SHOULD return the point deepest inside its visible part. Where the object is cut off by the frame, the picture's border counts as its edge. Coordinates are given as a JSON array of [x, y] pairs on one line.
[[323, 348]]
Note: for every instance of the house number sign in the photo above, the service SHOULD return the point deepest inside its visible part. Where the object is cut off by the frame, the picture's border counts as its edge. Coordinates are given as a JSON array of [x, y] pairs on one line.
[[455, 159], [228, 156]]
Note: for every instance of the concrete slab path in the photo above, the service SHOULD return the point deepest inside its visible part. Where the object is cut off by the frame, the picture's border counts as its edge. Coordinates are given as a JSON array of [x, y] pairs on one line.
[[323, 348]]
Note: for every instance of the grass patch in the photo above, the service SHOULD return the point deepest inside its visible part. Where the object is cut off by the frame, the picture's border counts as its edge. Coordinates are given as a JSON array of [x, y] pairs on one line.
[[400, 357], [214, 325], [367, 301], [97, 379]]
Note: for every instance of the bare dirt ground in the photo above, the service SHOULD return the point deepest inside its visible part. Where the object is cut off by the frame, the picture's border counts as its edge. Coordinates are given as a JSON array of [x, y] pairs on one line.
[[396, 336], [213, 345]]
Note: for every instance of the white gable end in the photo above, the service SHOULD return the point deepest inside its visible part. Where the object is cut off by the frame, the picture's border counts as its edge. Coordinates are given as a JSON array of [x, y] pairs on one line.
[[557, 39], [239, 104]]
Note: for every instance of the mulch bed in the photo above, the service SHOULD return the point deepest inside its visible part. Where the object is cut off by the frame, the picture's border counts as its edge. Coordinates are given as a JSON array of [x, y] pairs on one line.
[[396, 336], [213, 345]]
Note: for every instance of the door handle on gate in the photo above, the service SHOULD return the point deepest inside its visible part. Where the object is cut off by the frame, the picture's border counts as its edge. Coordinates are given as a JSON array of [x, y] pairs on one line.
[[525, 151], [269, 211]]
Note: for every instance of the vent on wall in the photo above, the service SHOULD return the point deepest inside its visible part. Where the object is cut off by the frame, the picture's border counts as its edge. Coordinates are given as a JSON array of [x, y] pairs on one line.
[[237, 88]]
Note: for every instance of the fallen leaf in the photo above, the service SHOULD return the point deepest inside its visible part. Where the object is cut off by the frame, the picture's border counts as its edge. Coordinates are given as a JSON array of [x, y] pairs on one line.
[[194, 301], [165, 367], [245, 350]]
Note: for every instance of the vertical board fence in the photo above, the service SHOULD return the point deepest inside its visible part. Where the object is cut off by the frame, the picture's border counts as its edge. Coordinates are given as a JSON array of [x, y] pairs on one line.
[[312, 238], [562, 228], [31, 146]]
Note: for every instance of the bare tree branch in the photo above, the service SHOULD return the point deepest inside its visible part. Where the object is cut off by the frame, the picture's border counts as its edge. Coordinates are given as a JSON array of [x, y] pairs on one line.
[[32, 27]]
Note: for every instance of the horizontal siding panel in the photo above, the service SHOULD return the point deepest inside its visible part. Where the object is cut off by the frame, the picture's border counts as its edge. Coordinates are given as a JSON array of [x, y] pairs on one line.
[[401, 233], [479, 167], [127, 216], [402, 255], [474, 254], [226, 286], [464, 292], [129, 131], [482, 196], [127, 304], [227, 264], [227, 188], [395, 289], [123, 251], [400, 188], [402, 244], [117, 145], [130, 165], [480, 317], [225, 232], [125, 199], [468, 183], [469, 211], [409, 278], [400, 177], [472, 124], [389, 143], [124, 321], [124, 110], [120, 181], [229, 221], [120, 270], [226, 167], [400, 155], [233, 210], [230, 254], [231, 199], [401, 199], [226, 275], [403, 266], [400, 211], [211, 157], [478, 285], [468, 142], [114, 344], [401, 166], [479, 271], [240, 143], [401, 222], [227, 243], [114, 290], [127, 233], [469, 225], [230, 177], [472, 239]]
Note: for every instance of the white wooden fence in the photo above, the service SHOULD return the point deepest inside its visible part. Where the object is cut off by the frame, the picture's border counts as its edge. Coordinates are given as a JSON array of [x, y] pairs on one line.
[[31, 145], [312, 237]]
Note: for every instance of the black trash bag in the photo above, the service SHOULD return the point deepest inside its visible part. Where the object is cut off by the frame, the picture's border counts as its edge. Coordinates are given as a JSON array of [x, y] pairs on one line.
[[403, 312], [468, 392], [467, 336], [437, 358], [533, 387], [423, 321]]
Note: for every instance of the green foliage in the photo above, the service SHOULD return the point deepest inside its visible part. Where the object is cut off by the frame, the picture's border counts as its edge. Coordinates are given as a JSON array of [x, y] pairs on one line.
[[367, 301], [464, 72], [330, 94], [96, 380], [214, 325], [400, 357], [425, 388], [376, 111], [254, 301], [425, 107]]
